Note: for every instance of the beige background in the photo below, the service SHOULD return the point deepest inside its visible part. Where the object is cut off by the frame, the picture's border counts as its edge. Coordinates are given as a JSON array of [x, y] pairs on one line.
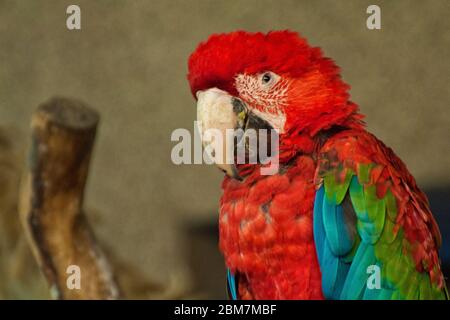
[[129, 62]]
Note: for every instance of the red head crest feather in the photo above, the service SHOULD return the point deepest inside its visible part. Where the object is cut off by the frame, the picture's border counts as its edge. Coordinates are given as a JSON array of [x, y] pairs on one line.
[[218, 60]]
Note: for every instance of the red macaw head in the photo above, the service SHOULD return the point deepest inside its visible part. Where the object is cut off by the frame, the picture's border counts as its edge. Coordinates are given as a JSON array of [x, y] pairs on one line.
[[278, 76]]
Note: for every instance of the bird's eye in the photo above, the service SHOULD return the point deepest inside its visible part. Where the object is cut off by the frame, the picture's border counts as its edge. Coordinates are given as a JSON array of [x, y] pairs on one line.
[[266, 78]]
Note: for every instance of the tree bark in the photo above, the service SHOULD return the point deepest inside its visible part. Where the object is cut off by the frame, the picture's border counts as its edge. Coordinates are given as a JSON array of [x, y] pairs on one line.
[[63, 133]]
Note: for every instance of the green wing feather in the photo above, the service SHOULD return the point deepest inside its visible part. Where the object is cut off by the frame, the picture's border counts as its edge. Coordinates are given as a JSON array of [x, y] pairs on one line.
[[380, 240]]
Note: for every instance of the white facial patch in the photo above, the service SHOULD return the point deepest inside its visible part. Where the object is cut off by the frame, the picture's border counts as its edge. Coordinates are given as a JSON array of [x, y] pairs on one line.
[[266, 101]]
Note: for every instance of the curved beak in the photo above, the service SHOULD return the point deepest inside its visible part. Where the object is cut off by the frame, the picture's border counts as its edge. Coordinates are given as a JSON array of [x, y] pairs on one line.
[[219, 115]]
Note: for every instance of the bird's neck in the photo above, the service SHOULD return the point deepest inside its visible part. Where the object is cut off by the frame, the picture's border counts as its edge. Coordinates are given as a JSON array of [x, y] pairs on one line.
[[297, 142]]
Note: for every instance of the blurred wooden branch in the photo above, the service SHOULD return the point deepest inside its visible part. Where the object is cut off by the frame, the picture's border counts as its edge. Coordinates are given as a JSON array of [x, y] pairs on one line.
[[63, 133]]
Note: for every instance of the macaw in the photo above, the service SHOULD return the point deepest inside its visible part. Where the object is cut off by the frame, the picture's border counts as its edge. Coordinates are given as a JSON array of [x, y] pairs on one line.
[[341, 209]]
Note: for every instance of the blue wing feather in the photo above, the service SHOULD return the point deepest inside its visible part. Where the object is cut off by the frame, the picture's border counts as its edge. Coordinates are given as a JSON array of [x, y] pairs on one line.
[[357, 276], [231, 282], [332, 242], [342, 278], [336, 231], [318, 229]]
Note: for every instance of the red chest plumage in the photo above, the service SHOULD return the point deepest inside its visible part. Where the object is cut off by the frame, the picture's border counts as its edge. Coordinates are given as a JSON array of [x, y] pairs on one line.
[[266, 233]]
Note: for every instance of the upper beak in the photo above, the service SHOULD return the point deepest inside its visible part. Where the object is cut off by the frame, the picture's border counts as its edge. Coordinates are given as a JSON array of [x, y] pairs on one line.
[[218, 110]]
